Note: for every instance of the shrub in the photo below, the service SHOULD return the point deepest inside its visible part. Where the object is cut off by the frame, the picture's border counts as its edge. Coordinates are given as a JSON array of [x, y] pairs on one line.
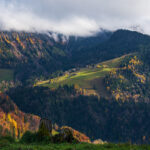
[[28, 137], [44, 133], [43, 138], [8, 138], [5, 141], [44, 130]]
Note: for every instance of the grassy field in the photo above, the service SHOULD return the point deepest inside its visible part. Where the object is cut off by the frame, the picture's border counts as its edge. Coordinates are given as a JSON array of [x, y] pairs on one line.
[[89, 78], [83, 76], [17, 146], [6, 74]]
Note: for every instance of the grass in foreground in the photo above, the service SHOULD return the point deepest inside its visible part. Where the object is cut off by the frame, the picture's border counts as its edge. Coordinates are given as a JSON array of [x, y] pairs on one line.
[[9, 143], [83, 146]]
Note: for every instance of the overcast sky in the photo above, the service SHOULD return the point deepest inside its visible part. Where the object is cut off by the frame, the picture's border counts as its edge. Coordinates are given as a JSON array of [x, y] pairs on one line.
[[74, 17]]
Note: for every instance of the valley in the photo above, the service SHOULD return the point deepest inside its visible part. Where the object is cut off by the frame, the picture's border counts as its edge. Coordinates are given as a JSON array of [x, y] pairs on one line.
[[74, 75], [100, 89]]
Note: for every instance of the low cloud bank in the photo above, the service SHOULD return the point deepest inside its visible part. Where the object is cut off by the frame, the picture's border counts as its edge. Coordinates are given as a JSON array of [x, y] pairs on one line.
[[79, 17]]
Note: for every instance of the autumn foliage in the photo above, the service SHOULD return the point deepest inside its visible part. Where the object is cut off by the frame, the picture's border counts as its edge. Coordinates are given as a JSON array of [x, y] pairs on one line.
[[13, 121]]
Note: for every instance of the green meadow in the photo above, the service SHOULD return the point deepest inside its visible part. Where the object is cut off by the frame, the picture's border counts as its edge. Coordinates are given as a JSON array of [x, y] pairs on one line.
[[84, 77]]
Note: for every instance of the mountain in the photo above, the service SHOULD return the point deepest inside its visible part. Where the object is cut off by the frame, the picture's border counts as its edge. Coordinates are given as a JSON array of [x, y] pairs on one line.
[[31, 55], [97, 85], [30, 51], [125, 78], [121, 42]]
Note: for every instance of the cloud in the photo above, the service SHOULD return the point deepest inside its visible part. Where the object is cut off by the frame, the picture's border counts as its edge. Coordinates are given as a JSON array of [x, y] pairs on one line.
[[74, 17]]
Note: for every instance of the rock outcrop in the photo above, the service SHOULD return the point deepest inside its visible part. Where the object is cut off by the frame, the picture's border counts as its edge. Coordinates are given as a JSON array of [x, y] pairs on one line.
[[77, 135], [99, 141]]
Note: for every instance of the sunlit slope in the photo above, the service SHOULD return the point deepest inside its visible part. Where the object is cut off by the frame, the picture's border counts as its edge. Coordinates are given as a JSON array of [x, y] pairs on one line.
[[89, 78]]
